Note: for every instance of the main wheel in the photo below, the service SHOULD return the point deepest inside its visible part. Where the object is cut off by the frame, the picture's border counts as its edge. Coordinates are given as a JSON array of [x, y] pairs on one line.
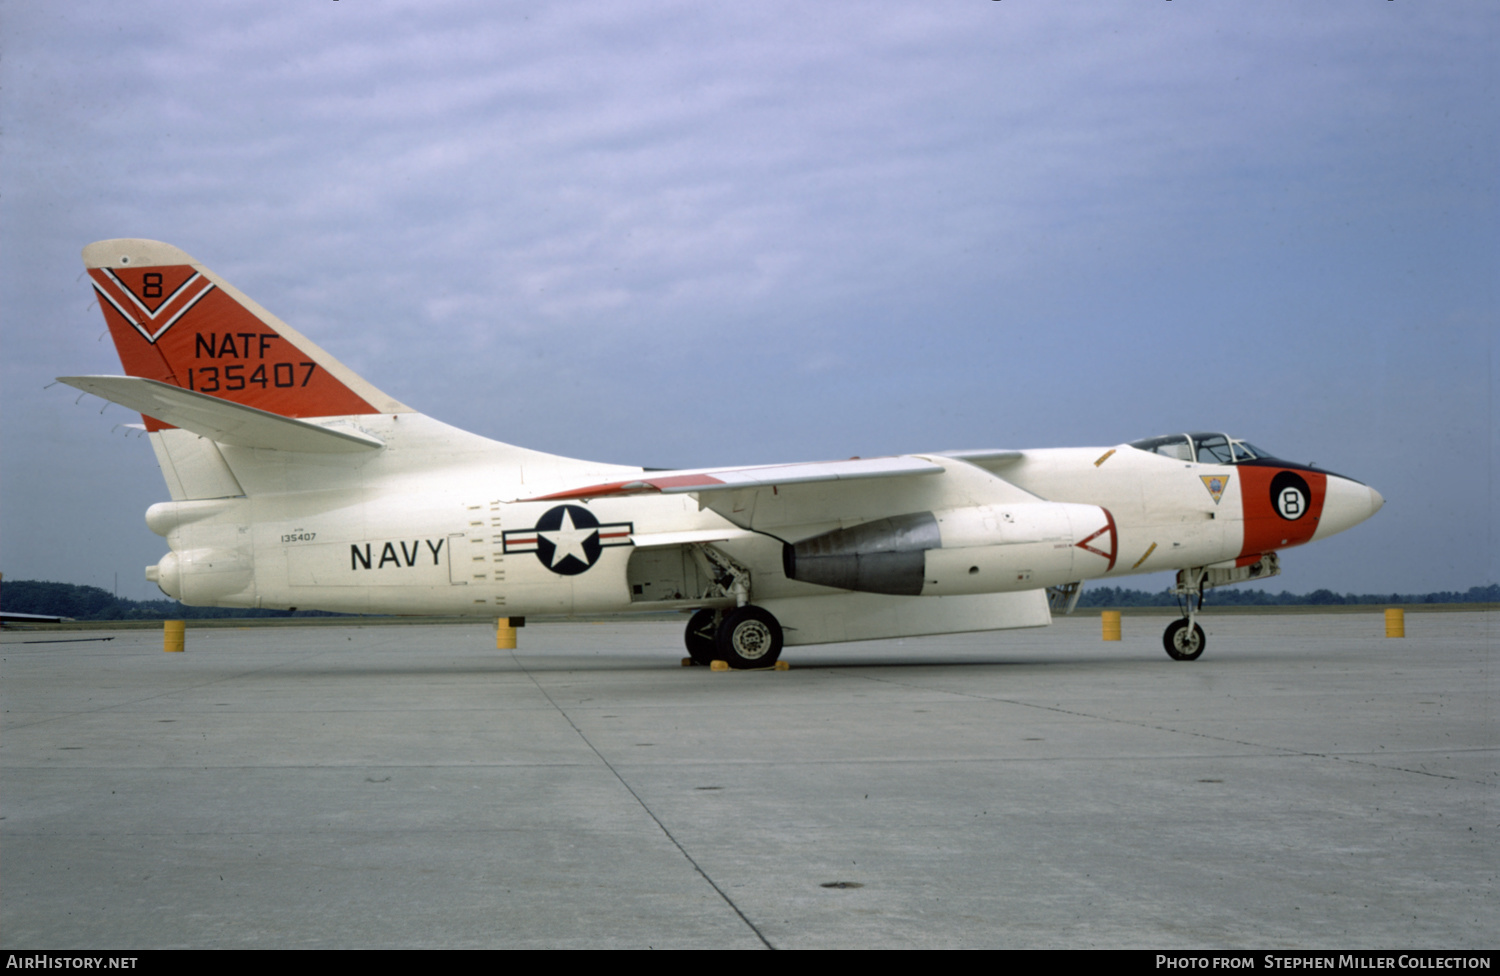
[[1183, 644], [702, 627], [749, 637]]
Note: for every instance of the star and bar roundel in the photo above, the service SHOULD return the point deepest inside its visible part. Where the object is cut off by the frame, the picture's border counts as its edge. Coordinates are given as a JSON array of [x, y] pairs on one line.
[[568, 539]]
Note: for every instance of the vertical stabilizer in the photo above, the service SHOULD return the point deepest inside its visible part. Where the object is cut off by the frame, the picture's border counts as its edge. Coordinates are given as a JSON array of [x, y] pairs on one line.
[[177, 322]]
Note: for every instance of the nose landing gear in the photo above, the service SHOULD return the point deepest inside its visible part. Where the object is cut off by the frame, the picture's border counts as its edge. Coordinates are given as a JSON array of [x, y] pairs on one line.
[[1184, 639]]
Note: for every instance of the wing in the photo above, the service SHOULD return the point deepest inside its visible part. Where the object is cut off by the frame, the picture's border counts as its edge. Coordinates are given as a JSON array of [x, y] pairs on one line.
[[697, 480], [817, 494]]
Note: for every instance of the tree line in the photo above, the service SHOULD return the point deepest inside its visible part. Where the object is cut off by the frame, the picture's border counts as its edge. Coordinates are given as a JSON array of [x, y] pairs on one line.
[[94, 603], [1114, 596]]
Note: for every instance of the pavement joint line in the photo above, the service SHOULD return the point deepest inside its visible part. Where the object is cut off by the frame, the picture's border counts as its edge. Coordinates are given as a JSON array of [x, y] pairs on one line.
[[661, 764], [1285, 750], [655, 819]]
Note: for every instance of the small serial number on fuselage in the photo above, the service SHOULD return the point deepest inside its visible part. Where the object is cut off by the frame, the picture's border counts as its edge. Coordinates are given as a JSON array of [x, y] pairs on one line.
[[299, 536]]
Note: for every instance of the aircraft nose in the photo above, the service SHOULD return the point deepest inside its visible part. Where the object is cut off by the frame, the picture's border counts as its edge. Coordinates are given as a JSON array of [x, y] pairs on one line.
[[1346, 504]]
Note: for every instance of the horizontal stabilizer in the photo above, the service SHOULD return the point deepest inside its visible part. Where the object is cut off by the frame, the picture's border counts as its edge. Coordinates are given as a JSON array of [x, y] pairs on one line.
[[762, 476], [221, 420]]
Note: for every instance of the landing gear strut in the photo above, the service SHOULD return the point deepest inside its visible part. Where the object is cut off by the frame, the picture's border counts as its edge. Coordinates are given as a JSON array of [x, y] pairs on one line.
[[743, 637], [1184, 639]]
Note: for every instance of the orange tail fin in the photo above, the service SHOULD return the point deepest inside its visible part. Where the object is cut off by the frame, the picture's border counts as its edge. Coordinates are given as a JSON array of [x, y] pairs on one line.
[[176, 322]]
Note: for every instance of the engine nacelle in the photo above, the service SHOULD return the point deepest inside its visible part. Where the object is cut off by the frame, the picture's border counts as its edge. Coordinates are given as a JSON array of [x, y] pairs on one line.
[[981, 549], [888, 555], [206, 577], [211, 563]]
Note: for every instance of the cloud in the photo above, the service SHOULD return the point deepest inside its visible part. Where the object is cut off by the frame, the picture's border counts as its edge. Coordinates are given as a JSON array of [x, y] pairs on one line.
[[925, 226]]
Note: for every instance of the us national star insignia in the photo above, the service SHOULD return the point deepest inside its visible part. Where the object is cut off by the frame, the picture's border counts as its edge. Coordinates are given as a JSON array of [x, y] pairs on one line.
[[568, 539]]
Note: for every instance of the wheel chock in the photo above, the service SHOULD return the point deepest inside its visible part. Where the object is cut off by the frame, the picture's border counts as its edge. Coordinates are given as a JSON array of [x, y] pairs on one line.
[[724, 666]]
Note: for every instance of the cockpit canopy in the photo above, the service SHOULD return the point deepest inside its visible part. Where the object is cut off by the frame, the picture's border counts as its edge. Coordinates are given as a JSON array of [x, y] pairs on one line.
[[1204, 448]]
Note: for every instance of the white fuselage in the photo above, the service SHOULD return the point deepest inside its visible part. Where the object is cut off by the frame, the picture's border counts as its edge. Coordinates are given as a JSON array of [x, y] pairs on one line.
[[454, 534]]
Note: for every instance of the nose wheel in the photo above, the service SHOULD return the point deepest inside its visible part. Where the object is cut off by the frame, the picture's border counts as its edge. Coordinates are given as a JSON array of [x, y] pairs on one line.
[[1184, 640]]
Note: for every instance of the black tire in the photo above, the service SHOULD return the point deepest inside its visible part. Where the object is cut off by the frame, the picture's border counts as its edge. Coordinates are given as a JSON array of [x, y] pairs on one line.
[[749, 637], [702, 629], [1182, 644]]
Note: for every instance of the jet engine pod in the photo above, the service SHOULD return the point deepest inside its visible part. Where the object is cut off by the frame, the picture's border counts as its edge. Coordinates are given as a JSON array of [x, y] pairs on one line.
[[980, 549], [1025, 546], [885, 556], [205, 577]]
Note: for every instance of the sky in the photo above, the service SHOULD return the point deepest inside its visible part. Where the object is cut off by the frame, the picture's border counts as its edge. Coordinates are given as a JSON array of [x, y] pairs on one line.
[[686, 234]]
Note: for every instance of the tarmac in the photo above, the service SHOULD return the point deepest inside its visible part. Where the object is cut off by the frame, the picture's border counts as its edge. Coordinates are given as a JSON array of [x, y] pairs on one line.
[[1307, 784]]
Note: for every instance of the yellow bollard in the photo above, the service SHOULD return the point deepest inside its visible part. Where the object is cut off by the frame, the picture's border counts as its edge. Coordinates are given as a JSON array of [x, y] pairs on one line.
[[1395, 622], [1110, 620], [505, 635], [174, 636]]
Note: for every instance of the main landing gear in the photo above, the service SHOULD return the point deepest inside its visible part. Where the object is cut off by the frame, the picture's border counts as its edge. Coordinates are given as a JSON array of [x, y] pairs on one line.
[[743, 637]]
